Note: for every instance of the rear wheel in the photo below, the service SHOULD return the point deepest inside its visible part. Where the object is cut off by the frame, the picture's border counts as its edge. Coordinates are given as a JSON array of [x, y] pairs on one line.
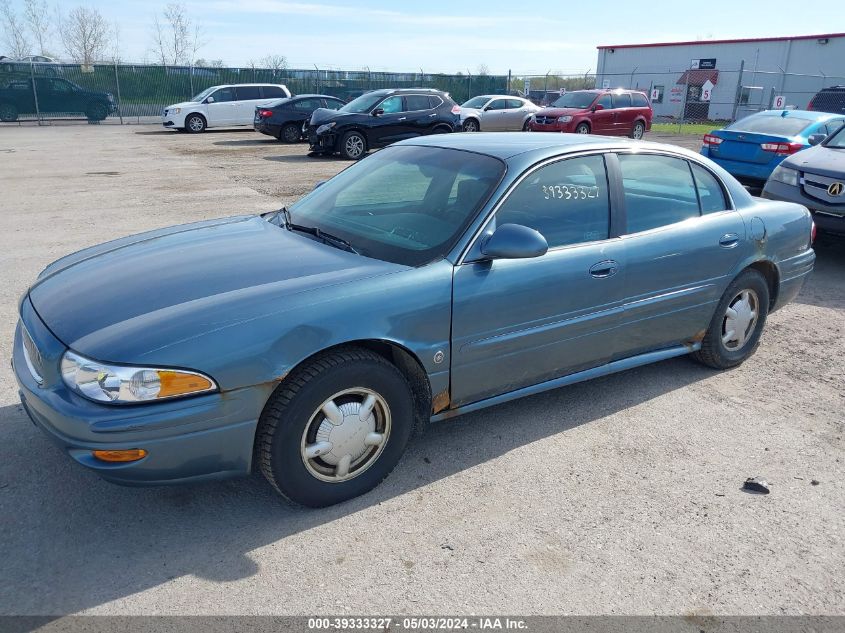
[[335, 428], [290, 133], [195, 123], [8, 112], [582, 128], [353, 146], [738, 322], [638, 130], [471, 125]]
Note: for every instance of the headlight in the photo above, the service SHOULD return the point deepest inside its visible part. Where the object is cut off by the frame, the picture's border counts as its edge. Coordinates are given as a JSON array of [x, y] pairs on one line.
[[325, 127], [175, 110], [118, 384], [786, 175], [564, 119]]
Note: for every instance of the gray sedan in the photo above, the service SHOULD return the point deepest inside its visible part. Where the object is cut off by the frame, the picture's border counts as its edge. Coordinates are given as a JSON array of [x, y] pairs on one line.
[[816, 179], [496, 113]]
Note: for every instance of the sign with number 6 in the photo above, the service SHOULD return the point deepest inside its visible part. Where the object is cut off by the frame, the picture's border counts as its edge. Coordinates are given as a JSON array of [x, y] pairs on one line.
[[780, 102]]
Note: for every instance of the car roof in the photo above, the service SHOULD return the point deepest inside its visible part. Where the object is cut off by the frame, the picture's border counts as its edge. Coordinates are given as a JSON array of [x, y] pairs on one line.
[[505, 145], [809, 115], [314, 96], [385, 91]]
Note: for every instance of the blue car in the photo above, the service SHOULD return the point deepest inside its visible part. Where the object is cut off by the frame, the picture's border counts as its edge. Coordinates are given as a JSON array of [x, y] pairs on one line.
[[751, 148], [441, 275]]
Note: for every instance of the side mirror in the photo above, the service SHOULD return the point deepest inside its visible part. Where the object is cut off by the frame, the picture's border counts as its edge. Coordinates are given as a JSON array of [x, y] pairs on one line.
[[597, 107], [514, 241], [378, 111], [210, 100], [815, 139], [486, 108]]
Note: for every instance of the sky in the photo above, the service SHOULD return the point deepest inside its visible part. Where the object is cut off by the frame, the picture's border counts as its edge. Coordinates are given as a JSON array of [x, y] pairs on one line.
[[447, 36]]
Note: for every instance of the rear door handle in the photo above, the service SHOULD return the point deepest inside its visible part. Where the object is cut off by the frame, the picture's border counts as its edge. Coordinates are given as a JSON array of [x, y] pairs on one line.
[[401, 118], [433, 114], [605, 269], [729, 240]]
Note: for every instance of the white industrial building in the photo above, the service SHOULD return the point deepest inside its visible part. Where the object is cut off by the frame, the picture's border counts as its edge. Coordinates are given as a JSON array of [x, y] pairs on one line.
[[743, 76]]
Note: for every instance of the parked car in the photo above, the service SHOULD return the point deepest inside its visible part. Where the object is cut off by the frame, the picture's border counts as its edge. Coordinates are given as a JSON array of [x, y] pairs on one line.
[[37, 64], [221, 106], [752, 147], [381, 117], [496, 113], [284, 119], [608, 112], [829, 100], [816, 179], [439, 276], [55, 96]]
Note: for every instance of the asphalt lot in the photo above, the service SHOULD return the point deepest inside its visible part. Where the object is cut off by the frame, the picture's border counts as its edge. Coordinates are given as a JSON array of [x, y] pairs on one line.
[[616, 496]]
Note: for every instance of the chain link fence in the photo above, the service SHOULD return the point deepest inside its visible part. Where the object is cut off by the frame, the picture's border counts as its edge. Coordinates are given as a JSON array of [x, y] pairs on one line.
[[134, 93]]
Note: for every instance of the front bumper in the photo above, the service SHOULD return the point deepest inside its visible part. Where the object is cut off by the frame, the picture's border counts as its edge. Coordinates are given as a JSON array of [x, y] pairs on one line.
[[322, 142], [172, 119], [200, 438], [551, 127], [827, 217]]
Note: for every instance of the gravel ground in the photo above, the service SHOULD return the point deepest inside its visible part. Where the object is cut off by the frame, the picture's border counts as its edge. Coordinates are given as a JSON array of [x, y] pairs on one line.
[[616, 496]]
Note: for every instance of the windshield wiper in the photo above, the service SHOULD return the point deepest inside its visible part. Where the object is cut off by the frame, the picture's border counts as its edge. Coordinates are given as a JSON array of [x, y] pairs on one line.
[[320, 234]]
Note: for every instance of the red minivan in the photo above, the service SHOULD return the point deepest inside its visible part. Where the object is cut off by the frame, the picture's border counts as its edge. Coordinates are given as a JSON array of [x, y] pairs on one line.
[[611, 112]]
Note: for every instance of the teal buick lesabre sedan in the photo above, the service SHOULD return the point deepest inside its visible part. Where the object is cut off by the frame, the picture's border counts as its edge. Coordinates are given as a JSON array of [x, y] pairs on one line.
[[438, 276]]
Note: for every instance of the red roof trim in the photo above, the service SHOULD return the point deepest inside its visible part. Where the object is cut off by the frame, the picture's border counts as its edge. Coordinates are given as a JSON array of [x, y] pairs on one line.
[[740, 41]]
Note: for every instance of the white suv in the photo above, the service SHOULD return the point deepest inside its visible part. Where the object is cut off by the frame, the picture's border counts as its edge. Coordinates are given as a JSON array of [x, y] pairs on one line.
[[222, 106]]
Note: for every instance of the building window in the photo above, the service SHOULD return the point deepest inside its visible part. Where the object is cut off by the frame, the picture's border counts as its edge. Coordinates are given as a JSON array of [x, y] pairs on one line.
[[660, 90]]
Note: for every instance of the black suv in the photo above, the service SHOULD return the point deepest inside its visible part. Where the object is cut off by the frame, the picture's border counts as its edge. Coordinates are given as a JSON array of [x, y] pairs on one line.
[[382, 117], [54, 96], [829, 100], [284, 118]]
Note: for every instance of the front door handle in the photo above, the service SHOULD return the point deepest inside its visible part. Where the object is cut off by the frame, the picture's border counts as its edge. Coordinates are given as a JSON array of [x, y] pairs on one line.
[[729, 240], [605, 269], [401, 118], [433, 114]]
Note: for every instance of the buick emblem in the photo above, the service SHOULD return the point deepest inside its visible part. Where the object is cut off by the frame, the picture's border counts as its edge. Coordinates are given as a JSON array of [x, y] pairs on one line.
[[836, 189]]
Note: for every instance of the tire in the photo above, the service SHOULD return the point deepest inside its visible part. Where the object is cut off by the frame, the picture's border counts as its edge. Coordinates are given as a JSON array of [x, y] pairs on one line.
[[8, 112], [290, 133], [638, 130], [353, 145], [96, 111], [294, 422], [582, 128], [525, 126], [471, 125], [195, 123], [751, 288], [441, 129]]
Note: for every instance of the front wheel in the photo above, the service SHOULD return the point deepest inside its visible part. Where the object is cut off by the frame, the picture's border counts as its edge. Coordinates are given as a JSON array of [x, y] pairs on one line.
[[353, 146], [583, 128], [471, 125], [335, 428], [638, 130], [97, 112], [737, 323], [195, 123]]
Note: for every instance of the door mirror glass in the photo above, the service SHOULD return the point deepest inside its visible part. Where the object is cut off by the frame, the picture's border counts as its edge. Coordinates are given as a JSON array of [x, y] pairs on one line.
[[514, 241], [597, 107], [210, 100], [378, 112], [815, 139]]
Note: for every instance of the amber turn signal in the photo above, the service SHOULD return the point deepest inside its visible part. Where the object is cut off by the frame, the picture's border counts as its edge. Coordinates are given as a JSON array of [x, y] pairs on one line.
[[130, 455], [177, 383]]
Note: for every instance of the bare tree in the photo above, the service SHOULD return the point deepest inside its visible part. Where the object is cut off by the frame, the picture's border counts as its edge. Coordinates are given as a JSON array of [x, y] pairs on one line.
[[37, 15], [14, 32], [176, 38], [483, 70], [274, 62], [86, 35]]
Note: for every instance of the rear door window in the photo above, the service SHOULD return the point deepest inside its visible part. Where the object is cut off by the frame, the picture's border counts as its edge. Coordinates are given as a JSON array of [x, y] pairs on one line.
[[659, 190], [622, 101], [332, 104], [416, 102], [247, 93], [514, 104], [711, 196], [307, 105]]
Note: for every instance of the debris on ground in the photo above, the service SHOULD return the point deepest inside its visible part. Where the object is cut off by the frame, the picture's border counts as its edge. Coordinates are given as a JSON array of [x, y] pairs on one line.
[[756, 485]]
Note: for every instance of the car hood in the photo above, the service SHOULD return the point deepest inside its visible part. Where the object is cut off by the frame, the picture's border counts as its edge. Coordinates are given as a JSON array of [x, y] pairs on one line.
[[183, 104], [559, 111], [819, 160], [120, 300], [324, 115]]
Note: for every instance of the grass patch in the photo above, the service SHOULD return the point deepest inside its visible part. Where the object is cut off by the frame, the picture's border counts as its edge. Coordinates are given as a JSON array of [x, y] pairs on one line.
[[687, 128]]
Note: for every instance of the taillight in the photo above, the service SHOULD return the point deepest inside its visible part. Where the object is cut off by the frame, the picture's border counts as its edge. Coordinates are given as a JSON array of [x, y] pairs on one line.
[[456, 109], [709, 139], [813, 234], [810, 105], [782, 149], [265, 114]]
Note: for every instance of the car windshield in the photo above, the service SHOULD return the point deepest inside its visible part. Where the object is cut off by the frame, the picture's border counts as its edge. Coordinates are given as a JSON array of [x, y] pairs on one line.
[[405, 204], [776, 125], [475, 102], [575, 100], [837, 139], [203, 94], [364, 103]]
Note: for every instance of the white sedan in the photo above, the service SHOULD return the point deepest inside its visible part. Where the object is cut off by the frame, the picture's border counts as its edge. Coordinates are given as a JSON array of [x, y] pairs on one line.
[[496, 113]]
